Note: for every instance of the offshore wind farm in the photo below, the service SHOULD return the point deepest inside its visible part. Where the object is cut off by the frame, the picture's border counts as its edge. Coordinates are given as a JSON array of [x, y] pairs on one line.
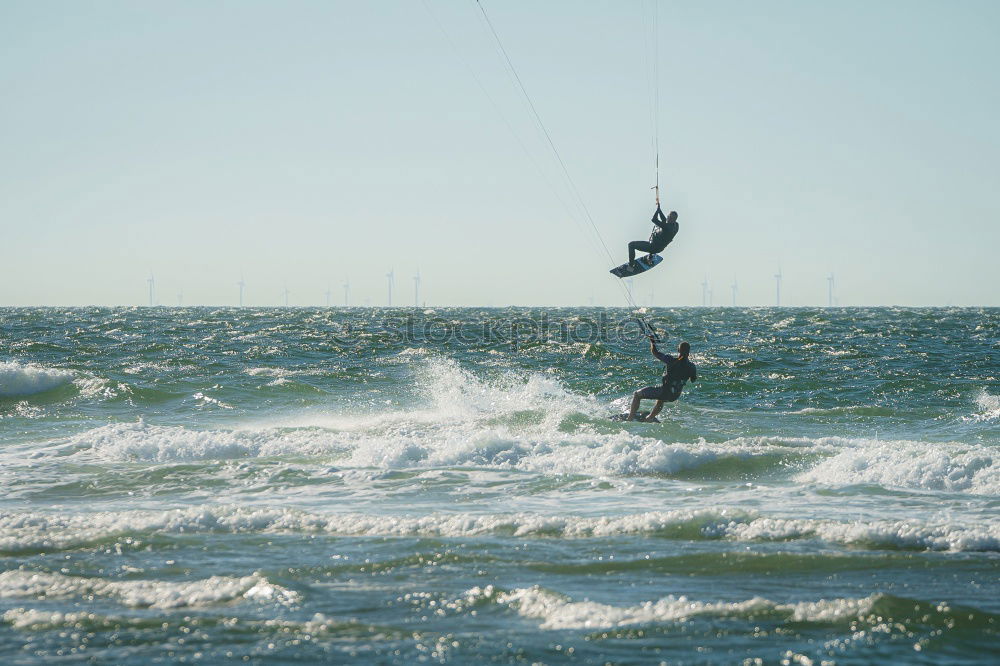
[[324, 296]]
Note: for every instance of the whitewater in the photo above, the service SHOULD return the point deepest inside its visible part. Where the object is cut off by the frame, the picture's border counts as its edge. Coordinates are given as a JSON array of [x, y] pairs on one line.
[[311, 485]]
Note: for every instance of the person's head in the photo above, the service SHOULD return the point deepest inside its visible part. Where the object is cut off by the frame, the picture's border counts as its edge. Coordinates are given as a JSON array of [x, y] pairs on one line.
[[672, 217], [683, 349]]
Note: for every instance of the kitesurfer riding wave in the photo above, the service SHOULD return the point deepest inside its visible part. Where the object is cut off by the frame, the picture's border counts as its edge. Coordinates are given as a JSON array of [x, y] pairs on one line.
[[679, 371]]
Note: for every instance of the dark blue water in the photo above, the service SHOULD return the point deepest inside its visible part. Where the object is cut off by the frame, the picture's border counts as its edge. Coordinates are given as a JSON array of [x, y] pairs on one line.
[[387, 486]]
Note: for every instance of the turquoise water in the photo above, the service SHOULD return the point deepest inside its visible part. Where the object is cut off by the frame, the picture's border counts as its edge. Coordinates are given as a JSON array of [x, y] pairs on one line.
[[390, 486]]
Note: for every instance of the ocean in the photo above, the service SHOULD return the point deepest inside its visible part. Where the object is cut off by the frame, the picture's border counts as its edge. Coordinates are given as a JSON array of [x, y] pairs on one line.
[[444, 485]]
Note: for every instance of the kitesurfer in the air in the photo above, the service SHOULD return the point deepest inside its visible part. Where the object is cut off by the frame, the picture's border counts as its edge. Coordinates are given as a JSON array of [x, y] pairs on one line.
[[666, 229], [679, 370]]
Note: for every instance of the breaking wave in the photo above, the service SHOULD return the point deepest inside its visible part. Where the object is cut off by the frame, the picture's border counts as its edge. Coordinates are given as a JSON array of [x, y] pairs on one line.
[[160, 594], [17, 381], [558, 612], [989, 407], [416, 440], [41, 532], [883, 613]]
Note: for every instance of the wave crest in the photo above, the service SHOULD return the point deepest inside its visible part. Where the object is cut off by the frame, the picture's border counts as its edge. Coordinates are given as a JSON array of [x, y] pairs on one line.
[[18, 381], [560, 613], [143, 593], [40, 532]]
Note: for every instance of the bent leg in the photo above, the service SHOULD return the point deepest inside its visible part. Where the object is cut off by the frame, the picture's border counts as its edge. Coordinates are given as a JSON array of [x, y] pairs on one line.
[[644, 246], [656, 410], [649, 393], [634, 408]]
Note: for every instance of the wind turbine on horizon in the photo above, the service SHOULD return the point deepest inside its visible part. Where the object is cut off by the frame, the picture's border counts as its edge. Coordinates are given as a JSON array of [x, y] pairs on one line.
[[242, 285], [347, 291], [151, 282], [777, 286], [829, 292], [735, 288], [180, 298], [286, 292], [704, 292], [391, 276], [327, 294], [416, 289]]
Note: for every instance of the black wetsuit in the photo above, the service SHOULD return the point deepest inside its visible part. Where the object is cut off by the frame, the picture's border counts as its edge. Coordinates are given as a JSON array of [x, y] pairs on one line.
[[678, 372], [658, 240]]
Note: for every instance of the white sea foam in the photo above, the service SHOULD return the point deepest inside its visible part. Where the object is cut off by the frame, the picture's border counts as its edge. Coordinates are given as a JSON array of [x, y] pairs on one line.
[[99, 387], [989, 407], [284, 373], [141, 441], [208, 400], [19, 583], [17, 380], [511, 421], [878, 533], [32, 618], [532, 423], [40, 531], [422, 441], [903, 464], [35, 531], [269, 372], [558, 612]]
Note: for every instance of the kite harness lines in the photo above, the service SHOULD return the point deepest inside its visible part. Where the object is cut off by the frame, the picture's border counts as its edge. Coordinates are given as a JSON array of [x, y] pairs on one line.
[[570, 184]]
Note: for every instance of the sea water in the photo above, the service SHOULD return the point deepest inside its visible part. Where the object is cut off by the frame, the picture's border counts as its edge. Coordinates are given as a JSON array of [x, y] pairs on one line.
[[287, 485]]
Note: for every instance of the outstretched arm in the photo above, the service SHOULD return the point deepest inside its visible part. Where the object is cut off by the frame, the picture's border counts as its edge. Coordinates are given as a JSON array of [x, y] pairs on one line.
[[656, 352]]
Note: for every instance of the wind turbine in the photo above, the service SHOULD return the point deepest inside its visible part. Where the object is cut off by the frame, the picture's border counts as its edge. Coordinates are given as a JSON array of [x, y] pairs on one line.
[[416, 289], [286, 292], [151, 282], [734, 287], [777, 287], [829, 292], [241, 284], [391, 276], [327, 294], [180, 298], [628, 285], [347, 292], [704, 292]]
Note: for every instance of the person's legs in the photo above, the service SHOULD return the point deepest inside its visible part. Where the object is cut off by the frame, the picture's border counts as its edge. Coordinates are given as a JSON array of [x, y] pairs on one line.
[[656, 410], [649, 393], [634, 408], [644, 246]]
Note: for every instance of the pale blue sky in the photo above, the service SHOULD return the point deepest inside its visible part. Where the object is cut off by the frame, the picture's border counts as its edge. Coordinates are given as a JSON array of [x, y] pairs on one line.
[[302, 142]]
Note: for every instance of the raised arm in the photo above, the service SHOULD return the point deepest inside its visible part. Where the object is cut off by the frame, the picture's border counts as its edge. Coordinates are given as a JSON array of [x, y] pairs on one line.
[[659, 219], [656, 352]]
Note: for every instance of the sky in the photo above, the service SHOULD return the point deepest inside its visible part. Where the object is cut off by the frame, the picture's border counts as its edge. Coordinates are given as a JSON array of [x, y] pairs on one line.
[[302, 144]]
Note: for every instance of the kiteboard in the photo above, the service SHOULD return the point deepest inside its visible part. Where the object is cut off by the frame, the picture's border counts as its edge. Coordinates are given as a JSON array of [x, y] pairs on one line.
[[640, 265], [640, 416]]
